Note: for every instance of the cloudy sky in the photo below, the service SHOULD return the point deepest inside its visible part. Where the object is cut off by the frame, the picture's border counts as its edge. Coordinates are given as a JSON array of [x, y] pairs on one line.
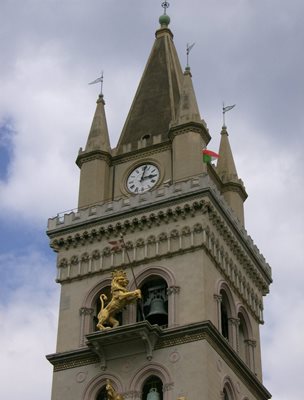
[[248, 52]]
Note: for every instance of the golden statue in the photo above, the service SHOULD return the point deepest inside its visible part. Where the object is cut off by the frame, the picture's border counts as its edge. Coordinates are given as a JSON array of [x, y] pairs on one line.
[[120, 298], [111, 392]]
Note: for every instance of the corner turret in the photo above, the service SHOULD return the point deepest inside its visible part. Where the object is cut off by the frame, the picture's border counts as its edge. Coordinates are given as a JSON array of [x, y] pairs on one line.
[[94, 161], [232, 187]]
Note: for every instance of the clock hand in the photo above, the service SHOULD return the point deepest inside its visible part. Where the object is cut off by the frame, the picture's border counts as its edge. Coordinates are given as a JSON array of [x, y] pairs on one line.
[[148, 177], [142, 175]]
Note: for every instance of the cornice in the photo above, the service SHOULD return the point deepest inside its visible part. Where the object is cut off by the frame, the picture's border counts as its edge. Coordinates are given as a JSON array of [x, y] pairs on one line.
[[84, 157], [180, 200], [237, 187], [147, 151], [198, 127], [160, 339]]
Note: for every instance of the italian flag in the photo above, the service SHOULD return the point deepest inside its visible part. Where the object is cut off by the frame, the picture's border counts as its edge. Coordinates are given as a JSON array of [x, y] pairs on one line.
[[209, 156]]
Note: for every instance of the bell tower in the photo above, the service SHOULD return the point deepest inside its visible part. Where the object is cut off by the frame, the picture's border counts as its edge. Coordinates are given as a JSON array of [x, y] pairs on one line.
[[154, 219]]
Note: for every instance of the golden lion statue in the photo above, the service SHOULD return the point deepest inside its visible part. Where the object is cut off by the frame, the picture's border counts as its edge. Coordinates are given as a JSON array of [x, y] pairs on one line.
[[111, 392], [120, 298]]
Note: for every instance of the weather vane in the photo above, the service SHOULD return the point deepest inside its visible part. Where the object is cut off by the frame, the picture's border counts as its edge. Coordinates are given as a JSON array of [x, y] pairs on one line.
[[225, 109], [189, 48], [100, 79], [165, 5]]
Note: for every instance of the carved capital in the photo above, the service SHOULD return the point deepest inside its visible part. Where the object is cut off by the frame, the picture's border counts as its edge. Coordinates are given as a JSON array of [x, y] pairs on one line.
[[168, 386], [234, 321], [173, 290], [86, 311], [251, 342], [217, 297]]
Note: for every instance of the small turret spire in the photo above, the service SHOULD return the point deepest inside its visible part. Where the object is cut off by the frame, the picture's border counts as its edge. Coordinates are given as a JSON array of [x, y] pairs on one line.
[[98, 138], [188, 110], [233, 188]]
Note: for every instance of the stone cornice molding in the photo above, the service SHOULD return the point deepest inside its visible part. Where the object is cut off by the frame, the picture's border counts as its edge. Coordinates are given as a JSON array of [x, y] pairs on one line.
[[84, 157], [237, 187], [138, 224], [197, 127], [147, 151], [172, 337]]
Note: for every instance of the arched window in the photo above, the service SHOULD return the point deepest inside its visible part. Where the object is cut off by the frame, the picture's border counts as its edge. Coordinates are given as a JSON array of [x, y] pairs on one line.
[[243, 338], [225, 396], [225, 315], [152, 388], [154, 304], [228, 392], [102, 394]]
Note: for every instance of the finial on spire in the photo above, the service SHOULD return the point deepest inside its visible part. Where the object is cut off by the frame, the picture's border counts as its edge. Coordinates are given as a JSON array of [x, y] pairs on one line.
[[225, 109], [165, 5], [100, 79], [164, 19], [189, 48]]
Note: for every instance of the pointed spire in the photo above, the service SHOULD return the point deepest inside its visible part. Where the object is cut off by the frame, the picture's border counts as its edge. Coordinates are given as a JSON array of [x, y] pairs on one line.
[[99, 137], [225, 164], [188, 110], [157, 98], [232, 188]]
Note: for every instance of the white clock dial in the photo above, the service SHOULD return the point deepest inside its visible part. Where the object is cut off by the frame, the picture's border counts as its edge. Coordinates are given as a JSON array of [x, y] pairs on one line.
[[143, 178]]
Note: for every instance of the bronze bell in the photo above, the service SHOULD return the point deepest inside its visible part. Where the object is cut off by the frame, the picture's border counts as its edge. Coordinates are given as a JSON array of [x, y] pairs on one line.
[[157, 314], [153, 394]]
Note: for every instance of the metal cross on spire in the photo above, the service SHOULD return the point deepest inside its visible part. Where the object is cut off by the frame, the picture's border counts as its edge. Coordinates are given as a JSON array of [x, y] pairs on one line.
[[100, 79], [165, 5], [189, 48]]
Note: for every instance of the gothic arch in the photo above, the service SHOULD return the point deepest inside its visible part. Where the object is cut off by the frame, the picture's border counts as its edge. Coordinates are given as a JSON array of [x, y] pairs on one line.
[[87, 309], [98, 382], [228, 385], [155, 369], [240, 309], [227, 321], [92, 295], [168, 276], [163, 272], [223, 286], [246, 344]]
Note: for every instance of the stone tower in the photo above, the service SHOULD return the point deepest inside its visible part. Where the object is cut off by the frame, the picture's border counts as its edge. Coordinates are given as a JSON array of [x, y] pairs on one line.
[[195, 333]]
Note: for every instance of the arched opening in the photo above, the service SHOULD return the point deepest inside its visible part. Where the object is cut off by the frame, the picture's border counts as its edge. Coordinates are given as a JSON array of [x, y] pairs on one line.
[[154, 304], [226, 396], [102, 394], [225, 315], [106, 291], [243, 337], [152, 389]]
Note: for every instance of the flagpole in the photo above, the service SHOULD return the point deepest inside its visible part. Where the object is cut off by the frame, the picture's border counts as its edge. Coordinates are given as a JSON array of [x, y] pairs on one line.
[[124, 245], [224, 122], [140, 300]]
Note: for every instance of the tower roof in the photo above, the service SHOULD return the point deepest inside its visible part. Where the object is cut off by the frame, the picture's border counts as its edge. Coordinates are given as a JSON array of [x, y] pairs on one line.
[[225, 165], [157, 98], [99, 136]]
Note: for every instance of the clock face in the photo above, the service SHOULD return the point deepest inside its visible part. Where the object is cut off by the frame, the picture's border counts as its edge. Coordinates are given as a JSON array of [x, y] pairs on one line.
[[143, 178]]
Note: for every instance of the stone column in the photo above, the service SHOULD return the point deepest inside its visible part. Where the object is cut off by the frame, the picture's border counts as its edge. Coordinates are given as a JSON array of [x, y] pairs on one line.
[[218, 299], [172, 292], [84, 313], [234, 332], [251, 344]]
